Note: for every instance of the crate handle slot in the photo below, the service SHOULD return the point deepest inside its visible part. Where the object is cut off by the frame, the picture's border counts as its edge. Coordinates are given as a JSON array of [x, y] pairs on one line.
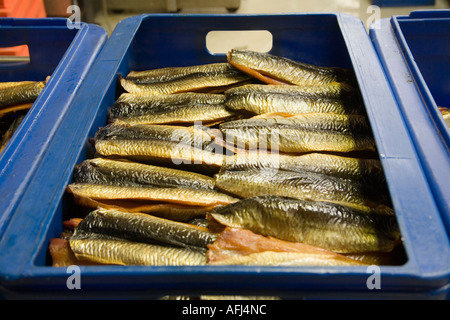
[[219, 42]]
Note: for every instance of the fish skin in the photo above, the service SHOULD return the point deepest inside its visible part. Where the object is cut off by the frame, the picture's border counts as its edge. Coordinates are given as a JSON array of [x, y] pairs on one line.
[[332, 226], [174, 108], [140, 227], [185, 196], [274, 69], [134, 174], [15, 109], [275, 258], [302, 185], [148, 143], [62, 255], [188, 135], [153, 151], [172, 211], [369, 171], [172, 73], [301, 133], [205, 76], [22, 92], [122, 252], [260, 99], [312, 120], [235, 243], [7, 135], [445, 114], [395, 257]]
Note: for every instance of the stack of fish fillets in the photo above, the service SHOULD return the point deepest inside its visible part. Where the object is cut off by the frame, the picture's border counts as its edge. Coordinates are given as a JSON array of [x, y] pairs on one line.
[[16, 99], [259, 160]]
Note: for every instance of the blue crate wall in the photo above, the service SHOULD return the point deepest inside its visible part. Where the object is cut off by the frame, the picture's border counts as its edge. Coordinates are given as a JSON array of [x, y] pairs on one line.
[[415, 52], [65, 55]]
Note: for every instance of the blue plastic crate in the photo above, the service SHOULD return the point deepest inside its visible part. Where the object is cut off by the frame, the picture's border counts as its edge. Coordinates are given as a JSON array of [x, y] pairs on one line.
[[415, 52], [57, 51], [403, 3], [159, 40]]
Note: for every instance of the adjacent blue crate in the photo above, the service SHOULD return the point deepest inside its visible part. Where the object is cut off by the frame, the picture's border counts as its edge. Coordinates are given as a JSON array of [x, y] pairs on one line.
[[415, 52], [403, 3], [57, 51], [160, 40]]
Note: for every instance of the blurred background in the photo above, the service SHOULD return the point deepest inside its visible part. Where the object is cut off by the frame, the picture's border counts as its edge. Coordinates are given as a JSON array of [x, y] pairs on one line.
[[108, 13]]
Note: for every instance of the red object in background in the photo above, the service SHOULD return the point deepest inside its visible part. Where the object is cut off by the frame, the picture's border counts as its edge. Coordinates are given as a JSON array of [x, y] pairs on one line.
[[20, 9]]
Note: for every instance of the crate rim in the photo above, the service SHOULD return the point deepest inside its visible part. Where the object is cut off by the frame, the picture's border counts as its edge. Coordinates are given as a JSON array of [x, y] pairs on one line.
[[417, 89]]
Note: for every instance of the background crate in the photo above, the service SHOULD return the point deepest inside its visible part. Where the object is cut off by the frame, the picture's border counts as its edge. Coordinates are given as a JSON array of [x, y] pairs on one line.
[[65, 55], [415, 51], [160, 40], [20, 9], [403, 3]]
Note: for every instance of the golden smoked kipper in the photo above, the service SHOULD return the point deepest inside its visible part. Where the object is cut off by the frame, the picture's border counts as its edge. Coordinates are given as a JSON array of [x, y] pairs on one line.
[[138, 187], [22, 92], [258, 160], [272, 69], [301, 133], [304, 185], [16, 99], [329, 225], [163, 143], [122, 238], [122, 252], [184, 196], [189, 107], [364, 170], [129, 173], [215, 77], [144, 228], [242, 246], [259, 99], [317, 176]]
